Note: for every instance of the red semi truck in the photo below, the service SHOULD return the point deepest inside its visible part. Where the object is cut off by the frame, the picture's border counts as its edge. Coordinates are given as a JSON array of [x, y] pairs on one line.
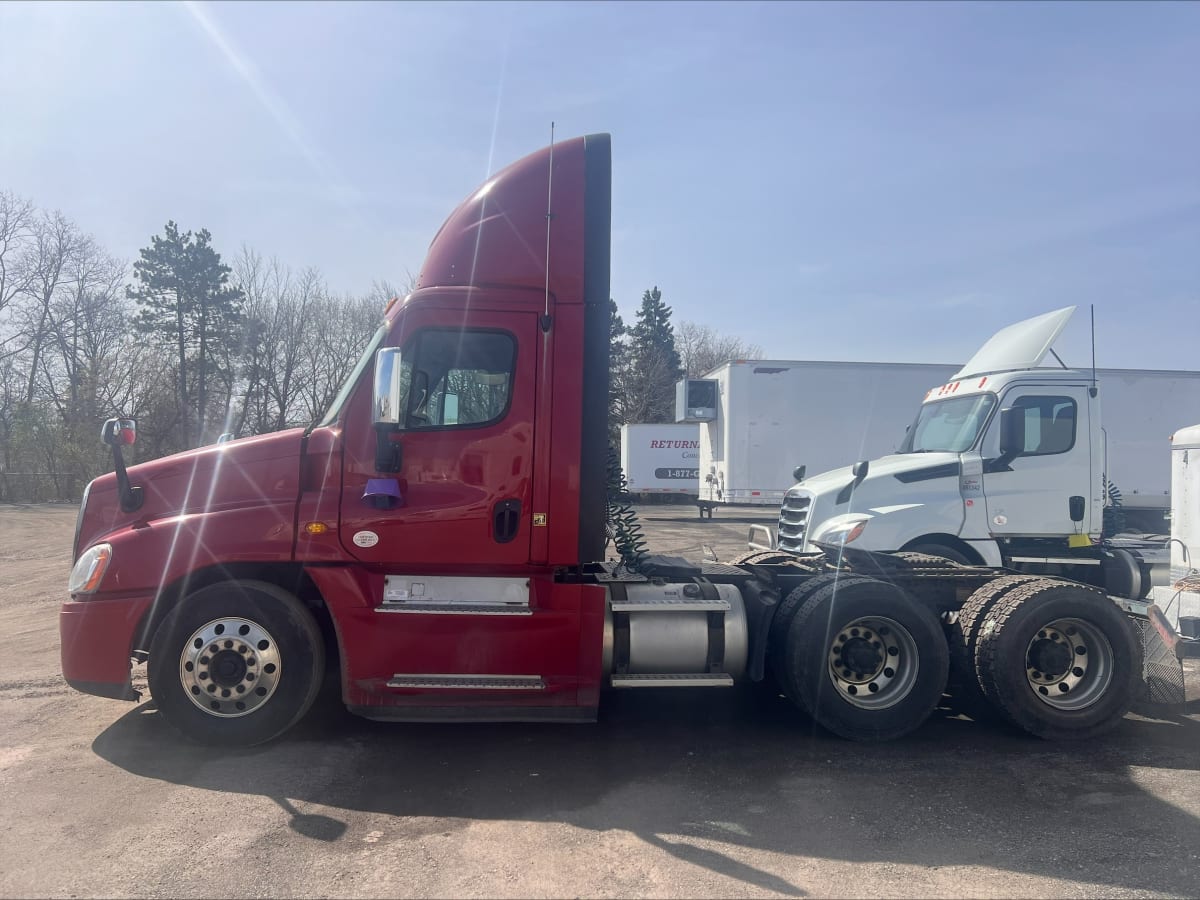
[[440, 537]]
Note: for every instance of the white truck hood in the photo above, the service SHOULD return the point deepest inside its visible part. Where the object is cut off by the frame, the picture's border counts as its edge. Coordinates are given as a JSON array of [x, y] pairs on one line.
[[902, 492], [883, 468]]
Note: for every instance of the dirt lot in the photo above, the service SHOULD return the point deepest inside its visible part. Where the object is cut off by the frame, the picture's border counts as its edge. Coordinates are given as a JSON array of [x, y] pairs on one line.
[[716, 793]]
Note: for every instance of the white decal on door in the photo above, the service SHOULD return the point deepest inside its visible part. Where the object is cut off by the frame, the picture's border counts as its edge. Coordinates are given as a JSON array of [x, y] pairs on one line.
[[366, 538]]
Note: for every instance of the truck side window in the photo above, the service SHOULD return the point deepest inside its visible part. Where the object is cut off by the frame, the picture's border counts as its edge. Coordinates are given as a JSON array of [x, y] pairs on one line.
[[1049, 424], [460, 378]]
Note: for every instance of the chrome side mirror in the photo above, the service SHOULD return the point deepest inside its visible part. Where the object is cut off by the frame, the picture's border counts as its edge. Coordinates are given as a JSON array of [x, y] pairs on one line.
[[385, 407]]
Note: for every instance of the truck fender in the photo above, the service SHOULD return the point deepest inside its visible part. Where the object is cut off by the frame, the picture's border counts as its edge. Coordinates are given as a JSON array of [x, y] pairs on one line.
[[761, 601]]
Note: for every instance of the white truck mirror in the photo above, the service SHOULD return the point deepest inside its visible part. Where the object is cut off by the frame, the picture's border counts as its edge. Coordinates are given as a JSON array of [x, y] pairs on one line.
[[1012, 433]]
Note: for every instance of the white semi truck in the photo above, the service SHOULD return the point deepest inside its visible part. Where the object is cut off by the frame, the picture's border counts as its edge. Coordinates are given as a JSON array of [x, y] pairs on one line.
[[1009, 464]]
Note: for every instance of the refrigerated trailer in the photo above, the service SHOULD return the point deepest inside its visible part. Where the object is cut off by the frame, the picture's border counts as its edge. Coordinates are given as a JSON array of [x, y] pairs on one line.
[[439, 540], [661, 461], [774, 415]]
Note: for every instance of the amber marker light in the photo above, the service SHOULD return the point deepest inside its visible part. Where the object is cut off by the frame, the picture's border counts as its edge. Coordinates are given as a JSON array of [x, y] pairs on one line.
[[316, 528]]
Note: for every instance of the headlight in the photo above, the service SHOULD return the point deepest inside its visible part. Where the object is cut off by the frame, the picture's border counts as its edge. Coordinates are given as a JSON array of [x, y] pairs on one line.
[[843, 533], [89, 569]]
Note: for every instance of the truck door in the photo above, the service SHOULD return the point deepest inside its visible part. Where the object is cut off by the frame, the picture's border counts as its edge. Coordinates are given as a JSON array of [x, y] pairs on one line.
[[462, 496], [1031, 494]]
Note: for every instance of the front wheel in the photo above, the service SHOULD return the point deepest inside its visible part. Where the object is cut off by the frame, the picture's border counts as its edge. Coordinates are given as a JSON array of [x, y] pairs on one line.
[[865, 660], [236, 663]]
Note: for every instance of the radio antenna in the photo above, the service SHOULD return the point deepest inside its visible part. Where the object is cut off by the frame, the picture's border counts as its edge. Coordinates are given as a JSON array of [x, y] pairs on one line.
[[1092, 307], [545, 321]]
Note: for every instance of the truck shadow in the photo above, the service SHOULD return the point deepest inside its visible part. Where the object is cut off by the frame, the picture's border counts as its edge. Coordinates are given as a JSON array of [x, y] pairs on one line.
[[706, 776]]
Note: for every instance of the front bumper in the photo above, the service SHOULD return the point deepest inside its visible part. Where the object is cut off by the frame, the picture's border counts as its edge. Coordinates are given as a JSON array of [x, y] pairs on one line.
[[97, 644]]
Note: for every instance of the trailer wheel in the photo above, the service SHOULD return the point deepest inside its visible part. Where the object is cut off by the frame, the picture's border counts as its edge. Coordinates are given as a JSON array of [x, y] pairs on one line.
[[777, 636], [963, 637], [1058, 660], [236, 663], [865, 660]]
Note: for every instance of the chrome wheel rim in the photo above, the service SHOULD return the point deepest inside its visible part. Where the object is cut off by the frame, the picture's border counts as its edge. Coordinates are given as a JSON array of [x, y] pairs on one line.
[[230, 667], [1069, 664], [873, 662]]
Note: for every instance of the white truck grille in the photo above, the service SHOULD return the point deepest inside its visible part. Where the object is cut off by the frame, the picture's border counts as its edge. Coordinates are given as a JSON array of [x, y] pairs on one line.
[[793, 520]]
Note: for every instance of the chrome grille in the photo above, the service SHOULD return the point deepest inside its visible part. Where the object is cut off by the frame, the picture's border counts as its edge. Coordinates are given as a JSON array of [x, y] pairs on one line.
[[793, 520]]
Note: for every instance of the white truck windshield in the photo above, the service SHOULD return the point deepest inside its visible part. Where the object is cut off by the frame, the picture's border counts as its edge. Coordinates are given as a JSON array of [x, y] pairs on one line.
[[950, 425]]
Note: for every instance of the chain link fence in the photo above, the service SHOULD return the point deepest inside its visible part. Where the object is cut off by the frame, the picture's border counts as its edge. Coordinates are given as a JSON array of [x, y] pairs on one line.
[[39, 487]]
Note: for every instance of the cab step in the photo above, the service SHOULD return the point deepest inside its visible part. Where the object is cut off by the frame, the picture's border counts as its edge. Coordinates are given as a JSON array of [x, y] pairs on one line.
[[456, 609], [468, 682], [700, 679]]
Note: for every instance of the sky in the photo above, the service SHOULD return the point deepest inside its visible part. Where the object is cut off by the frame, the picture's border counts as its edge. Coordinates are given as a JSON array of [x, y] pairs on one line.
[[888, 182]]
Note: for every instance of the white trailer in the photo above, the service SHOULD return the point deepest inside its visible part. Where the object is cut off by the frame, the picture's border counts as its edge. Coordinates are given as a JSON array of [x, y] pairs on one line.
[[1142, 409], [661, 460], [1179, 598], [775, 415]]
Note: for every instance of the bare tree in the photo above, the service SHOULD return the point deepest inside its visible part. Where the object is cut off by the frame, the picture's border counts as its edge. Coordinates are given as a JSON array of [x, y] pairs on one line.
[[17, 220], [702, 349], [50, 261], [335, 340]]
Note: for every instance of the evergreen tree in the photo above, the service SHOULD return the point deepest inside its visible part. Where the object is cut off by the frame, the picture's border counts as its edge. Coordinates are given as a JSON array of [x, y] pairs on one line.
[[187, 302], [654, 365], [618, 362]]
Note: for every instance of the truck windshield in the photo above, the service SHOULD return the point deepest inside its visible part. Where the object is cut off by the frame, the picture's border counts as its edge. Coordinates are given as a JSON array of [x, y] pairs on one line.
[[950, 425], [340, 400]]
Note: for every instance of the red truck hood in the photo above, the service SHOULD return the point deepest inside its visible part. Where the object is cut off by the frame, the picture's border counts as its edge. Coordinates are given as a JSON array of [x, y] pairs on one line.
[[251, 472]]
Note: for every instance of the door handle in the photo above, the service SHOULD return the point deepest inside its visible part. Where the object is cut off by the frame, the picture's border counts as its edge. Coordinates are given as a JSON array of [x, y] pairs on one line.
[[506, 520]]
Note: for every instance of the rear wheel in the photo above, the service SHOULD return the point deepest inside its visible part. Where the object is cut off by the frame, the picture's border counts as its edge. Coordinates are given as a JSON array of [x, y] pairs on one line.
[[865, 660], [761, 558], [236, 663], [925, 560], [963, 637], [777, 638], [941, 551], [1059, 660]]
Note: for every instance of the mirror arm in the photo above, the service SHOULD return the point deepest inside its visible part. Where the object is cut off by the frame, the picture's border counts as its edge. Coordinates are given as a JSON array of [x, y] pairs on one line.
[[387, 452], [131, 496]]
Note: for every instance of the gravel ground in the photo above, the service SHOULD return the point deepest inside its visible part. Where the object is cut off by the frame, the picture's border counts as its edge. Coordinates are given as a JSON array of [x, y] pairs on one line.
[[696, 794]]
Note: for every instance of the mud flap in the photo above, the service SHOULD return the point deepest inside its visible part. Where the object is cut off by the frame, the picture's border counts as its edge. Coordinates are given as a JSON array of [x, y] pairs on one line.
[[1162, 671]]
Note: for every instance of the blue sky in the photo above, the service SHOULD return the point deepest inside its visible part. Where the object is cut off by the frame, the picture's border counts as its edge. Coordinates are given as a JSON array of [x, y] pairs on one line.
[[830, 181]]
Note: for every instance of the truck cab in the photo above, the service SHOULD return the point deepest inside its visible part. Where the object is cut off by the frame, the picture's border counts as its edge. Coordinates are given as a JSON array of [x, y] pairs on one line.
[[1004, 465]]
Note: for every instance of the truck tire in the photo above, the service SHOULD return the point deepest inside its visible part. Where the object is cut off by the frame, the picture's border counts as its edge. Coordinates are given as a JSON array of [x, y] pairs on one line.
[[1058, 660], [236, 663], [777, 635], [926, 560], [941, 551], [761, 558], [865, 660], [963, 637]]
